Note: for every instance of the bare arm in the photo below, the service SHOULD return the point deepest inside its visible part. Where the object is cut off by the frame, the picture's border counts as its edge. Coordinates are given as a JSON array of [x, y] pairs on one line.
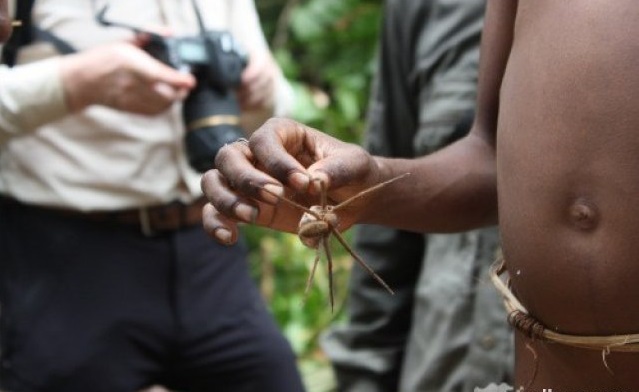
[[454, 189]]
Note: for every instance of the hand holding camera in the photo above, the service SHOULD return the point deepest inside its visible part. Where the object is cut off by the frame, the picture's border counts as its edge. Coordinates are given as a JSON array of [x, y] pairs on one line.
[[211, 110], [123, 77], [257, 91]]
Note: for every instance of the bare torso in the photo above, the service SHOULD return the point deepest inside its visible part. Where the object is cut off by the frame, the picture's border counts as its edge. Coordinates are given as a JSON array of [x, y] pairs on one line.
[[568, 164]]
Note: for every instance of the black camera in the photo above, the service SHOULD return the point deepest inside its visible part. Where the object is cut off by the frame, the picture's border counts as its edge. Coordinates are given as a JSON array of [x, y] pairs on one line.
[[211, 111]]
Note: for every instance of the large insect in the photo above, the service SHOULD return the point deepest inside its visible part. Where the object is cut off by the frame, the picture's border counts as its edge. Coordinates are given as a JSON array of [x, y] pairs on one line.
[[320, 221]]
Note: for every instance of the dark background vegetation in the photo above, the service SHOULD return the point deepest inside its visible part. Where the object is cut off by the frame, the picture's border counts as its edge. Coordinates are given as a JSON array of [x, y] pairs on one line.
[[326, 49]]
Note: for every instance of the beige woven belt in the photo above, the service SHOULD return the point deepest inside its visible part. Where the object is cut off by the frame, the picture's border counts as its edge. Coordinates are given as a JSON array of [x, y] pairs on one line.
[[519, 318]]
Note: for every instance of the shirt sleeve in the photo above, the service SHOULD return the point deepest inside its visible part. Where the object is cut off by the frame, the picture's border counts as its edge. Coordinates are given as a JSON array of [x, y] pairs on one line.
[[30, 95], [284, 97], [246, 27]]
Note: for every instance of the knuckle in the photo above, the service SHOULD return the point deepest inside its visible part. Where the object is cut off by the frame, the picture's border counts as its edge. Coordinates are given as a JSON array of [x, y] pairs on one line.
[[210, 219], [124, 81], [208, 178], [222, 157], [216, 200], [225, 205], [221, 200], [272, 125], [273, 122], [279, 168], [246, 184]]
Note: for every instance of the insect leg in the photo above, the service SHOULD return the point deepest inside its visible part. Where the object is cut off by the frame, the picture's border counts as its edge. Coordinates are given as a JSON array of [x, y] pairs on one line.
[[360, 261], [329, 260], [312, 273], [368, 191]]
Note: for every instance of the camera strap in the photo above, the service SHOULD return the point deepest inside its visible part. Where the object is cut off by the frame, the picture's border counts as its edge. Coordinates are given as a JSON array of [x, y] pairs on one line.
[[28, 33]]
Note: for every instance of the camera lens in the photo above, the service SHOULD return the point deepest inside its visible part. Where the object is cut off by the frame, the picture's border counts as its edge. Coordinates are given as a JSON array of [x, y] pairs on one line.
[[212, 120]]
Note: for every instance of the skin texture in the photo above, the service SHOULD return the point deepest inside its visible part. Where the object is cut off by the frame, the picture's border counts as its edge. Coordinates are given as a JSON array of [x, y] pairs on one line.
[[567, 184], [553, 157], [124, 77], [258, 82]]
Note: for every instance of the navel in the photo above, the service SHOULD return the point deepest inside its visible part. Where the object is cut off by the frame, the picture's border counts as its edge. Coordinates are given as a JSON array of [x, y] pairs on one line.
[[583, 214]]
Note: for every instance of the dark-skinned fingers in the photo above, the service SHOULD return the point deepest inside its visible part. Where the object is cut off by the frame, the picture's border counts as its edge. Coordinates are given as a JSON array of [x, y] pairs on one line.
[[276, 144], [226, 210], [300, 156], [226, 200], [218, 226], [280, 216], [346, 165], [235, 164]]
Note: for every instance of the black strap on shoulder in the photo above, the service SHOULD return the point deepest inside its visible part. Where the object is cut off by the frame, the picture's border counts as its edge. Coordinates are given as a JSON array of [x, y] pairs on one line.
[[22, 35], [62, 46], [27, 33]]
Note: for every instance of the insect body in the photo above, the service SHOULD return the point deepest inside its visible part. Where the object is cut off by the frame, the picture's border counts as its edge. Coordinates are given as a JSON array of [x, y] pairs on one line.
[[312, 229], [319, 222]]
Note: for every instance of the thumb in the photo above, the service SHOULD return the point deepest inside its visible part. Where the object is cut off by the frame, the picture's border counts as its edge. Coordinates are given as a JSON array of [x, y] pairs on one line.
[[157, 72], [343, 165]]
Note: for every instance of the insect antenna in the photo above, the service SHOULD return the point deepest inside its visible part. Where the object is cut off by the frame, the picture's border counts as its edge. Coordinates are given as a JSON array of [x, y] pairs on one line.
[[293, 204], [368, 191]]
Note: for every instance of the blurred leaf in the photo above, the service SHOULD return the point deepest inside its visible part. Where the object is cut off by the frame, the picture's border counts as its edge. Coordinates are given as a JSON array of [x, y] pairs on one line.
[[348, 104], [311, 20], [306, 108]]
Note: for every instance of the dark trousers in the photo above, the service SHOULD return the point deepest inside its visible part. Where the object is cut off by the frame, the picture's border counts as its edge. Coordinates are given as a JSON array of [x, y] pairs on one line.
[[93, 306]]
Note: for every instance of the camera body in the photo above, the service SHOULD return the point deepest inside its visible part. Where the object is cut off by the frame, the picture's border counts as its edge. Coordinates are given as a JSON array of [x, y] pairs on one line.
[[211, 111]]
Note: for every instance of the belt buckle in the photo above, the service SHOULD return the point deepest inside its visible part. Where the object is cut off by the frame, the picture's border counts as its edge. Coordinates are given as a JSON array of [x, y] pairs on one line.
[[145, 222]]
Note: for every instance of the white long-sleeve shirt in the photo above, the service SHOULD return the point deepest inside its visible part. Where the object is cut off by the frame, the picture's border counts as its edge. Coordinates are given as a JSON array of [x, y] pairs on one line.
[[103, 159]]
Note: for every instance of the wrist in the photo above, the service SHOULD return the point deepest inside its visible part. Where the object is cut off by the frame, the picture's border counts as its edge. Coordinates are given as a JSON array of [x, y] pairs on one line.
[[389, 178], [70, 82], [79, 90]]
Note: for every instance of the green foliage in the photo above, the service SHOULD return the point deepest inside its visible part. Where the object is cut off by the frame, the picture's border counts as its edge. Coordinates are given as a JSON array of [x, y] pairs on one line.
[[326, 49], [282, 266]]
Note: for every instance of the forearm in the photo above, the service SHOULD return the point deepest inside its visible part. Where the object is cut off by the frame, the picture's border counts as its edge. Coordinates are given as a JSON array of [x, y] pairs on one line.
[[454, 189], [30, 95], [448, 191]]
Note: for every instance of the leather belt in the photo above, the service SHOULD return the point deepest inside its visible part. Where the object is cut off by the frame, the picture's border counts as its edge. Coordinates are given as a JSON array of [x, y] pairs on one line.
[[157, 219], [151, 220]]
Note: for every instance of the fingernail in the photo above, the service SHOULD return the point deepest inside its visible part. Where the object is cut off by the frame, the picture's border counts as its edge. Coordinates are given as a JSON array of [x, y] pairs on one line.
[[300, 181], [319, 180], [222, 235], [269, 196], [246, 212]]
